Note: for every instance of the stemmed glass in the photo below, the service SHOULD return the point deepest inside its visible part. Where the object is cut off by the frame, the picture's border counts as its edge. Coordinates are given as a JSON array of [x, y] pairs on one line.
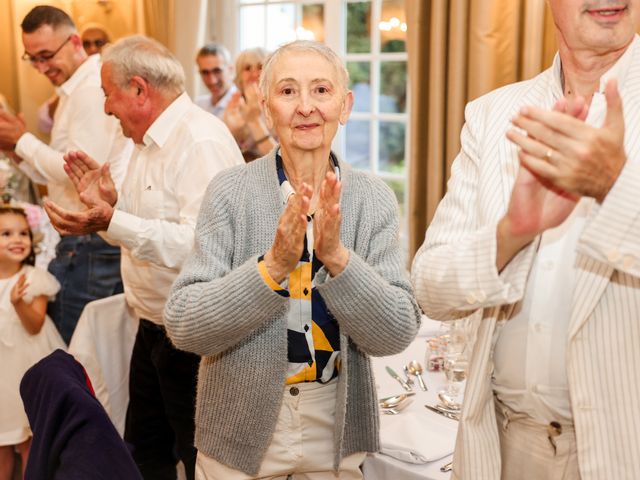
[[456, 362]]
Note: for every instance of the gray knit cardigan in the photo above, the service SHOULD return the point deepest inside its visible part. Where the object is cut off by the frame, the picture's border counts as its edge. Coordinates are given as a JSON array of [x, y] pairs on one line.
[[220, 308]]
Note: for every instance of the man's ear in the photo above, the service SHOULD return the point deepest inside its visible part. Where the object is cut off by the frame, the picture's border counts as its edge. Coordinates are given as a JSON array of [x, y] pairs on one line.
[[140, 87], [76, 41]]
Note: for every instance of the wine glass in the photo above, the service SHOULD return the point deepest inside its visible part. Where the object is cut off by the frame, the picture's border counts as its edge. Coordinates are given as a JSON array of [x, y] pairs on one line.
[[456, 362]]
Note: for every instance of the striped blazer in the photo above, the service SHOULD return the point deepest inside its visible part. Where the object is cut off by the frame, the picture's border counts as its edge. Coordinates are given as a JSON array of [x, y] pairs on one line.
[[454, 275]]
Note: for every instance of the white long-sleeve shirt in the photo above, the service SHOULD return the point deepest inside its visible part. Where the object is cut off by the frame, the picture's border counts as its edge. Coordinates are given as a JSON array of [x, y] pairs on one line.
[[79, 124], [158, 205]]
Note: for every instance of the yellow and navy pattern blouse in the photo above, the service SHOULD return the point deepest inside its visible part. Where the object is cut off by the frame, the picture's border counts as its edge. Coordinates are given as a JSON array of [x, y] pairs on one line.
[[313, 333]]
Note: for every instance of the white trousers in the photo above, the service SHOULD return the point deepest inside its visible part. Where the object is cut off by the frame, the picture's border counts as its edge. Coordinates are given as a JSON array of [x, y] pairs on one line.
[[302, 445]]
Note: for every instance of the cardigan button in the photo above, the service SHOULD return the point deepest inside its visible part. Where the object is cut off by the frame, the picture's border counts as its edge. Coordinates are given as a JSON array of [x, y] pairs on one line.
[[294, 391]]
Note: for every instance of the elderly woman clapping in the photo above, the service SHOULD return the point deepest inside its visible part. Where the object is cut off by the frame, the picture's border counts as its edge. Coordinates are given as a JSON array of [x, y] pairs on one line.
[[295, 279]]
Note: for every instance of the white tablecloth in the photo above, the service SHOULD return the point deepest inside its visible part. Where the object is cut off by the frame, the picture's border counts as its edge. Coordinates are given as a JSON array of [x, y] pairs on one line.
[[382, 467]]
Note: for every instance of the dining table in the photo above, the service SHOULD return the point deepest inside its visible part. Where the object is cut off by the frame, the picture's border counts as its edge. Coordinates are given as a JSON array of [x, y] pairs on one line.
[[416, 442]]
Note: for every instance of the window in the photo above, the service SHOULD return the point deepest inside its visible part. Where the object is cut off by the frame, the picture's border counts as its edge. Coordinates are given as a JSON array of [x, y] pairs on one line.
[[376, 58], [270, 23], [371, 37]]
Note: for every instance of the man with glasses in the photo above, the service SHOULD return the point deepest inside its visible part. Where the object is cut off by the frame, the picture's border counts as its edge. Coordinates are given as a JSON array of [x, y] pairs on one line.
[[86, 266], [216, 70]]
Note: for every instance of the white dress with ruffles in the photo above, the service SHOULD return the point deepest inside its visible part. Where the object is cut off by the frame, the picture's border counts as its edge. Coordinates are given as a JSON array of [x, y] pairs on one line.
[[19, 350]]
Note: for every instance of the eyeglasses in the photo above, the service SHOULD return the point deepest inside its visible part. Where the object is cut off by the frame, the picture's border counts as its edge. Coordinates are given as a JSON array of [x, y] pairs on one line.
[[43, 57], [214, 71], [99, 43]]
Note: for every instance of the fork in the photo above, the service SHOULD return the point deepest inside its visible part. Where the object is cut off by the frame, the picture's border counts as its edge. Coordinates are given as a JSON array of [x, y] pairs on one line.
[[406, 374], [390, 411]]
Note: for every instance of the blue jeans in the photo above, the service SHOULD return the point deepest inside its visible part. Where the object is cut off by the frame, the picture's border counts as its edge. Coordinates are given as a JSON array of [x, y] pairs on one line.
[[88, 268]]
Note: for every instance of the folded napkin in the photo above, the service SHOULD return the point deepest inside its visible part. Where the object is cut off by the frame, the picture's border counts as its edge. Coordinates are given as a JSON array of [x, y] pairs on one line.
[[415, 437]]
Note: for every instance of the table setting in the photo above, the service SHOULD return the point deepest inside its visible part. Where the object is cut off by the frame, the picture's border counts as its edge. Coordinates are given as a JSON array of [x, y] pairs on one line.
[[419, 405]]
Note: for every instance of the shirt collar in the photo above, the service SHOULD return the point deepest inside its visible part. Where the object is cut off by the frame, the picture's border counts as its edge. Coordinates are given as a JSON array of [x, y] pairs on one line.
[[162, 127], [226, 97], [618, 70], [85, 69], [621, 67]]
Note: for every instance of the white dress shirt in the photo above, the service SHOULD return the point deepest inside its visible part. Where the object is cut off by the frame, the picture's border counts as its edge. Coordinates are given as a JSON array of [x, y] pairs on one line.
[[204, 102], [78, 124], [530, 373], [156, 213]]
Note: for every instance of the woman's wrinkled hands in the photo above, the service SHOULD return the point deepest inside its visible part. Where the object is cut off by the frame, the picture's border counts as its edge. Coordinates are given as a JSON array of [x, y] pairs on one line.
[[288, 244], [328, 247]]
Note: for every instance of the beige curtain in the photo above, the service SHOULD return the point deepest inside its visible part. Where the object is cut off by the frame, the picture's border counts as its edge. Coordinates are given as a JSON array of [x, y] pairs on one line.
[[9, 77], [459, 50], [158, 21]]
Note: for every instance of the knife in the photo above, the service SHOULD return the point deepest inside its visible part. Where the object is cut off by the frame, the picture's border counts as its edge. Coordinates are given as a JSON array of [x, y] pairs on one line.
[[391, 372], [451, 416]]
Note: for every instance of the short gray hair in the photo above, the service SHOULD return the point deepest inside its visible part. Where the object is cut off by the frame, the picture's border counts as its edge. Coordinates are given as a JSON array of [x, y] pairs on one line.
[[304, 46], [216, 50], [141, 56]]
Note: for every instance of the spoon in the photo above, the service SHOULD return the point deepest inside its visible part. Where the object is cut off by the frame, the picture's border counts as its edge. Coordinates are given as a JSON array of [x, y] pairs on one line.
[[393, 401], [448, 401], [396, 409], [415, 368]]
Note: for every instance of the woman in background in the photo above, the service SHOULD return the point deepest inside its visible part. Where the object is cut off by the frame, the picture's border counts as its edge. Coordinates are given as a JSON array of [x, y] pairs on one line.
[[243, 114]]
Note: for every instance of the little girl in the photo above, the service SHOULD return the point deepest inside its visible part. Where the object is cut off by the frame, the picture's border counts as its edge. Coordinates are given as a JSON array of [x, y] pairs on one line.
[[26, 333]]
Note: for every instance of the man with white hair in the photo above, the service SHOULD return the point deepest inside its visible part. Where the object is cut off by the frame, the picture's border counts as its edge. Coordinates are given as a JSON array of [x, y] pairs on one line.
[[179, 148], [539, 234], [85, 265]]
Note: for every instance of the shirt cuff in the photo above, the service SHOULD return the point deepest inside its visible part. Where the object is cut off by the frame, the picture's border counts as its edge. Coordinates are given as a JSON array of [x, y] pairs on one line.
[[264, 273], [26, 147], [123, 227]]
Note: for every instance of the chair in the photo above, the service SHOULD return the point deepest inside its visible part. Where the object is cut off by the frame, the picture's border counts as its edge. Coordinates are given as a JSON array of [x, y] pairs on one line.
[[102, 342], [73, 437]]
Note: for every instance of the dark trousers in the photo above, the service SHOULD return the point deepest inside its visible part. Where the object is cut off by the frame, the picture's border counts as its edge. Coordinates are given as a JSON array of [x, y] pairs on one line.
[[160, 417], [88, 268]]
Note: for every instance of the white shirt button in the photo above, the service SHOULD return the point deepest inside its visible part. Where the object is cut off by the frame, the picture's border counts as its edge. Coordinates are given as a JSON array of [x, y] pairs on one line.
[[471, 299]]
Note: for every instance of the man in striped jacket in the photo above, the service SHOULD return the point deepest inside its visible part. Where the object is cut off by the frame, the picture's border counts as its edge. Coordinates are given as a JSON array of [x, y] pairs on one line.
[[538, 238]]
